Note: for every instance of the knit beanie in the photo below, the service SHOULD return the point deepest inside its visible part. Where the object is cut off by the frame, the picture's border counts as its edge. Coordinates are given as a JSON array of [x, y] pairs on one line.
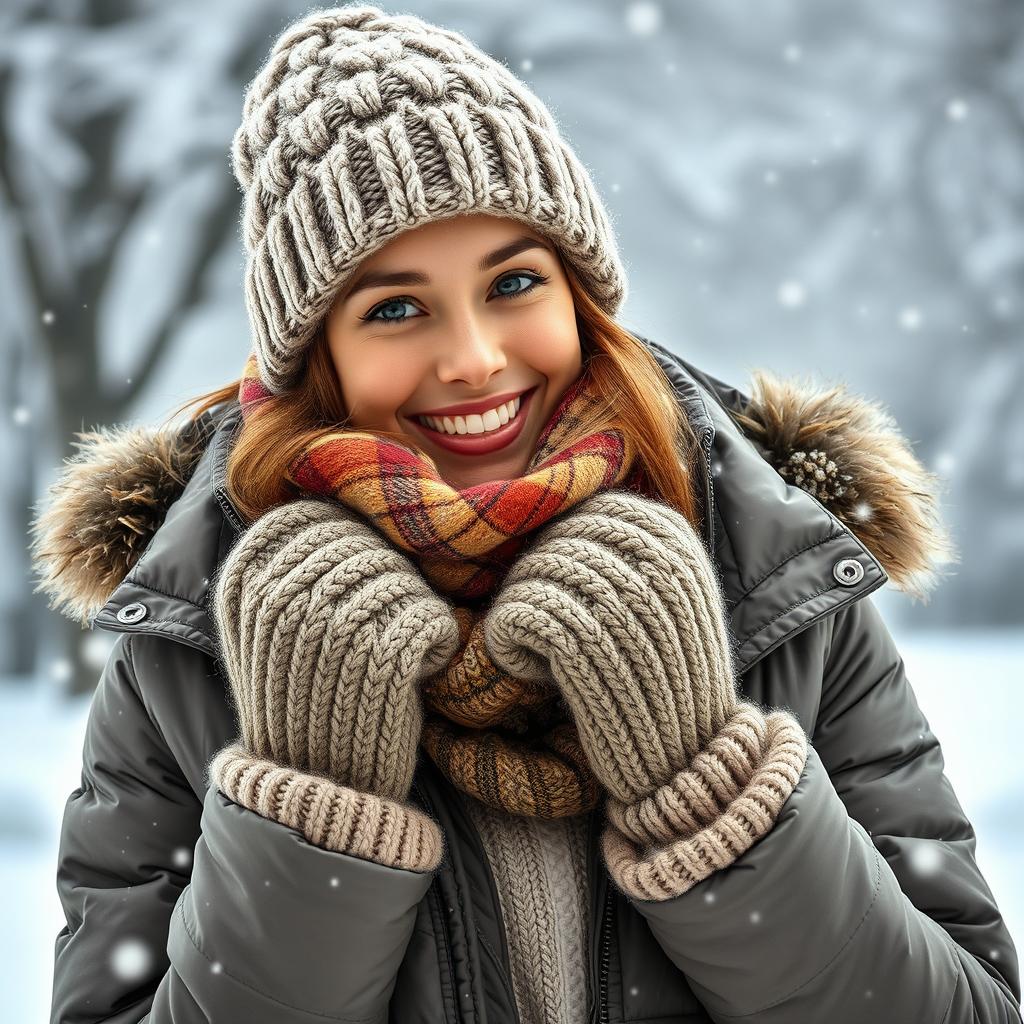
[[363, 124]]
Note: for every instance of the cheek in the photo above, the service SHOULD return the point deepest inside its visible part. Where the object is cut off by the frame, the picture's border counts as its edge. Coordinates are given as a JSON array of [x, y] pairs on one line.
[[374, 386], [552, 348]]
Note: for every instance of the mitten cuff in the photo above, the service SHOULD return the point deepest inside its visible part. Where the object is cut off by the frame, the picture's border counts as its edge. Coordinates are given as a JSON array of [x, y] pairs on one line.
[[708, 814], [330, 815]]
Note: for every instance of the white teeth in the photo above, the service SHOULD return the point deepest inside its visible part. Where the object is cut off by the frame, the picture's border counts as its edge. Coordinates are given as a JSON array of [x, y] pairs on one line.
[[478, 423]]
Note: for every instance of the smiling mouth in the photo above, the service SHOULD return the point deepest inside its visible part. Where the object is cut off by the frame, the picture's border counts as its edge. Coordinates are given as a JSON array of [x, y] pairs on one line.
[[480, 434], [475, 424]]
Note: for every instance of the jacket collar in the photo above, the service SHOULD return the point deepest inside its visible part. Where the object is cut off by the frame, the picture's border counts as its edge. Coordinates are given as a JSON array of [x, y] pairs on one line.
[[784, 558]]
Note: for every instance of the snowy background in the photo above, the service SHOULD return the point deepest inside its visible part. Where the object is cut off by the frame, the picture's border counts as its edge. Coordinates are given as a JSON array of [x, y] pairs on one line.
[[827, 188]]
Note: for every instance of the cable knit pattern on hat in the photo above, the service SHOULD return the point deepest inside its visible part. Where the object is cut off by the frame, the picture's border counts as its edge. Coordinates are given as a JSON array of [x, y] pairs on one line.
[[363, 124], [619, 602], [326, 630]]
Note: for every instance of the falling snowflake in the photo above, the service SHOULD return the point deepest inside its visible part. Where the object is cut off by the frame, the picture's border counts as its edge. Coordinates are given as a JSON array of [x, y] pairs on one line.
[[926, 858], [709, 897], [21, 415], [61, 670], [792, 294], [48, 316], [130, 959], [643, 18], [755, 917], [95, 649], [182, 857], [910, 318], [957, 109], [526, 64], [216, 967], [771, 177], [792, 53]]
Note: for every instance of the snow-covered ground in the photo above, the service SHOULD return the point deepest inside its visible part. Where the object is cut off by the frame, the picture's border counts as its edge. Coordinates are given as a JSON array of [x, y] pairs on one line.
[[969, 687]]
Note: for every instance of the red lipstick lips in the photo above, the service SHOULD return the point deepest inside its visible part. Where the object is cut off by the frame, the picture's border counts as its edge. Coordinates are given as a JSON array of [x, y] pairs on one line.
[[479, 444], [468, 408]]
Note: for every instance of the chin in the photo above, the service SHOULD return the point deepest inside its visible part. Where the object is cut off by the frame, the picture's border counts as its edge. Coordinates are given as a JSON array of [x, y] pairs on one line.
[[460, 479]]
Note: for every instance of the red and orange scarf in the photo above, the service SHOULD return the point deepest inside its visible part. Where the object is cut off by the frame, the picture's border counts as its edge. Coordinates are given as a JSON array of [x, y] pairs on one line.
[[508, 742]]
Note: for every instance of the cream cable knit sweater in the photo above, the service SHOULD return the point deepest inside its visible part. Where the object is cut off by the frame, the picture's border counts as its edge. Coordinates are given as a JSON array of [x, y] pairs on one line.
[[540, 872]]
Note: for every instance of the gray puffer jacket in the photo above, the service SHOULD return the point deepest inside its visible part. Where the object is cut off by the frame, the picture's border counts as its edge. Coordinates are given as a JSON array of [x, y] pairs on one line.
[[864, 903]]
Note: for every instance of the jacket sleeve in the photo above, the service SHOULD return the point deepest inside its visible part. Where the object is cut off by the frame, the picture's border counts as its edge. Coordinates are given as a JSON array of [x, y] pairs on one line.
[[864, 901], [182, 912]]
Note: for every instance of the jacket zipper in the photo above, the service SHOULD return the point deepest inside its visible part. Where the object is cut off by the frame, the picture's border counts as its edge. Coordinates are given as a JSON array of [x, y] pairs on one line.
[[706, 444], [606, 949], [432, 895], [228, 508], [599, 1011]]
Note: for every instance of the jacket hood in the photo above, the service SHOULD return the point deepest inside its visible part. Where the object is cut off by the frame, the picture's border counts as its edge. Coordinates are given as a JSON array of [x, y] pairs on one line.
[[112, 496]]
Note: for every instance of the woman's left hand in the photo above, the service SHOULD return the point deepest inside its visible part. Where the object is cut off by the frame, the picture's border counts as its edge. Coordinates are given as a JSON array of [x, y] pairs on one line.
[[618, 601]]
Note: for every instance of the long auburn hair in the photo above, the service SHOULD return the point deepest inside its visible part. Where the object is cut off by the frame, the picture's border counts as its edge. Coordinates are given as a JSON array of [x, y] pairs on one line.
[[637, 398]]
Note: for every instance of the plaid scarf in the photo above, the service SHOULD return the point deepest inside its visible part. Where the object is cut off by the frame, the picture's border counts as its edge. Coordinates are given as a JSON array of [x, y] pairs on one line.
[[508, 742]]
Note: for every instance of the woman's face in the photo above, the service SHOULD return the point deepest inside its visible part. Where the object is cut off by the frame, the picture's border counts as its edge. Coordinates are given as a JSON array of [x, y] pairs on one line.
[[455, 312]]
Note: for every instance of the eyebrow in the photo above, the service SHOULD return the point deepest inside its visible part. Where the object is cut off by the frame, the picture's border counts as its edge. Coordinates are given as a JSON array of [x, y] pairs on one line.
[[380, 279]]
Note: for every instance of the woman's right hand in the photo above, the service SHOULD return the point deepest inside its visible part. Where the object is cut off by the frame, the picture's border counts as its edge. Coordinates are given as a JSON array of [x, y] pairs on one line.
[[326, 630]]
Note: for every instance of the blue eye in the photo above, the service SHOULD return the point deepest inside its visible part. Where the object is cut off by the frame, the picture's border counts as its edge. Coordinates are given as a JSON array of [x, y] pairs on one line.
[[391, 304], [533, 278]]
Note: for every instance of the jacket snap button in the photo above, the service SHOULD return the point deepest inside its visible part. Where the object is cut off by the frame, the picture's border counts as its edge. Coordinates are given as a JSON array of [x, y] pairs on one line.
[[848, 571], [134, 612]]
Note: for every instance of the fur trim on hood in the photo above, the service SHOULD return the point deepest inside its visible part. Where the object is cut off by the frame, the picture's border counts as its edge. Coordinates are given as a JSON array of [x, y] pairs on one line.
[[845, 450], [848, 452], [106, 504]]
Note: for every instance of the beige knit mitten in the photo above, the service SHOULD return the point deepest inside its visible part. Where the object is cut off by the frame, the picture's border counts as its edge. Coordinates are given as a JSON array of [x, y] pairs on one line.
[[617, 601], [326, 630]]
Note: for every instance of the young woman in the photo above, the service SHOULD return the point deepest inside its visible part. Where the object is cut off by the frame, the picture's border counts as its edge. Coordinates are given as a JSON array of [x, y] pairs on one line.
[[479, 659]]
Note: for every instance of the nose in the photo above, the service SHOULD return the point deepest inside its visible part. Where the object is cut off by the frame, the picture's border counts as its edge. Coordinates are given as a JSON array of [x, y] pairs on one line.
[[473, 354]]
